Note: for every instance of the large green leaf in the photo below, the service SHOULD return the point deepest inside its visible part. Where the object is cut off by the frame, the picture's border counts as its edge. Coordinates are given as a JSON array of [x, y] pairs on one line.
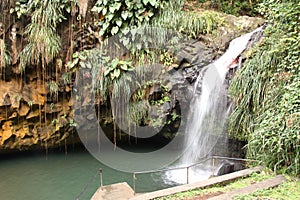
[[117, 73], [124, 15], [112, 9], [105, 26], [125, 30], [119, 23], [114, 30], [82, 64], [109, 17], [104, 11], [124, 67], [107, 71], [71, 65], [125, 41], [153, 2], [114, 63], [104, 2]]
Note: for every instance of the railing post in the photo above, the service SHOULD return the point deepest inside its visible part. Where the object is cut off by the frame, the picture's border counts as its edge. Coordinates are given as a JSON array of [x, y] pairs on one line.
[[101, 180], [187, 175], [134, 179], [213, 166]]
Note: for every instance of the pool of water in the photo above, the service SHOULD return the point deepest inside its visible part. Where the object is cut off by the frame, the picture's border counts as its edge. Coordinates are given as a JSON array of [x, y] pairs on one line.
[[33, 176]]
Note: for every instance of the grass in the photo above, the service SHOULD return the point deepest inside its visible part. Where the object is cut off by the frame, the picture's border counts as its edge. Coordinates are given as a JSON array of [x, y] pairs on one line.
[[191, 23], [288, 190]]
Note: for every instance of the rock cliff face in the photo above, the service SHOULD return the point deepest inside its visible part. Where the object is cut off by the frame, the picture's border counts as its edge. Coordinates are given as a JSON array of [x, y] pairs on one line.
[[30, 117], [33, 116]]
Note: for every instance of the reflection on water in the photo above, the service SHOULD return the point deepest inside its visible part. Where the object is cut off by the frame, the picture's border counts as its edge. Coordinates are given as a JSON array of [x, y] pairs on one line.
[[31, 176]]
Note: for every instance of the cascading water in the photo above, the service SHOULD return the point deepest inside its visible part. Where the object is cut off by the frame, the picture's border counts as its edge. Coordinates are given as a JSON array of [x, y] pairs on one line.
[[208, 113]]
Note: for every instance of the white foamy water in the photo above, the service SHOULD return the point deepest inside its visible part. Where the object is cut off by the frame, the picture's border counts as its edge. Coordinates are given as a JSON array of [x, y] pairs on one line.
[[208, 115]]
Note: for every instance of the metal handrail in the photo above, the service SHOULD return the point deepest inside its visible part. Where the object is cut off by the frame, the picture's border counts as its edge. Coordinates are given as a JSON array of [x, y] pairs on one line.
[[187, 167], [204, 159], [90, 183], [170, 169], [237, 159]]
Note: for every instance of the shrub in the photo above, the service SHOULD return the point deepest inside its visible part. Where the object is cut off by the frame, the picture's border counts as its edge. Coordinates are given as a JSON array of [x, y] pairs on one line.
[[266, 91], [117, 15]]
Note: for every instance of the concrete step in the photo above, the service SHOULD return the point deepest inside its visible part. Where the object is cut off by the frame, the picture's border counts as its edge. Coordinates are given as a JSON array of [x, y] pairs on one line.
[[266, 184], [118, 191], [201, 184]]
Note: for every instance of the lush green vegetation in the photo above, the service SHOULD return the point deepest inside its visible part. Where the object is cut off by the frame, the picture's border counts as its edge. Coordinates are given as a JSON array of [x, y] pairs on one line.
[[237, 7], [266, 91], [135, 32], [44, 44], [189, 23], [118, 15], [234, 7]]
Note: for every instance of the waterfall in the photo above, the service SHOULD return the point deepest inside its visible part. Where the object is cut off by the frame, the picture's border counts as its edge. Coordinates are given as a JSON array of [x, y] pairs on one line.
[[208, 113]]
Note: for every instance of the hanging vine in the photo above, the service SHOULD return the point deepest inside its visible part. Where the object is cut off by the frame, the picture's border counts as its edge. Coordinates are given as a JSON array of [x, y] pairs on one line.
[[43, 41]]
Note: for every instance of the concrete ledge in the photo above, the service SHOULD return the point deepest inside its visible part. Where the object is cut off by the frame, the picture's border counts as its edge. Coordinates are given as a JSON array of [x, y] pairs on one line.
[[201, 184], [266, 184], [118, 191]]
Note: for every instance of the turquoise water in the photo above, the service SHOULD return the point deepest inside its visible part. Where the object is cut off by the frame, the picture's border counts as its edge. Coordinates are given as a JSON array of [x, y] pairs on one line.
[[33, 177]]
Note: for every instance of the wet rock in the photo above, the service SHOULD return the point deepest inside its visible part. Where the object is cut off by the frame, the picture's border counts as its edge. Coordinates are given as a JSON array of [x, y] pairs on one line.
[[32, 114], [90, 117], [192, 57], [53, 108], [15, 114], [166, 107], [234, 27], [9, 93], [7, 131], [184, 65], [191, 74], [6, 100], [24, 109], [225, 168], [154, 90]]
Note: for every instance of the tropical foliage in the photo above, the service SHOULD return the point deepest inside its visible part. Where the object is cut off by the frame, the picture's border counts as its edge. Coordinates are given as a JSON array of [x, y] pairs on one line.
[[266, 91], [4, 55], [189, 23], [237, 7], [116, 15], [43, 41]]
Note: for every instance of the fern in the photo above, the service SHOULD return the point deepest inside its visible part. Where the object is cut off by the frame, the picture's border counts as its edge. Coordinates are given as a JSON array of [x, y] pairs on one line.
[[4, 55]]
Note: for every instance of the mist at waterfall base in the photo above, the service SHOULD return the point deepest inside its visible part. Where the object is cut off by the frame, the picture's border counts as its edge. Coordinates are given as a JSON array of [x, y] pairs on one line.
[[207, 120]]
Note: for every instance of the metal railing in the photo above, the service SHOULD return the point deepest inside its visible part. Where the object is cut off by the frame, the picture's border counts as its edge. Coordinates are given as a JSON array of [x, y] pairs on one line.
[[92, 180], [213, 158]]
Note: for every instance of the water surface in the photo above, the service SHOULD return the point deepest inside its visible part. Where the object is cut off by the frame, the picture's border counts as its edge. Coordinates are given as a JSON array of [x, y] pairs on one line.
[[31, 176]]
